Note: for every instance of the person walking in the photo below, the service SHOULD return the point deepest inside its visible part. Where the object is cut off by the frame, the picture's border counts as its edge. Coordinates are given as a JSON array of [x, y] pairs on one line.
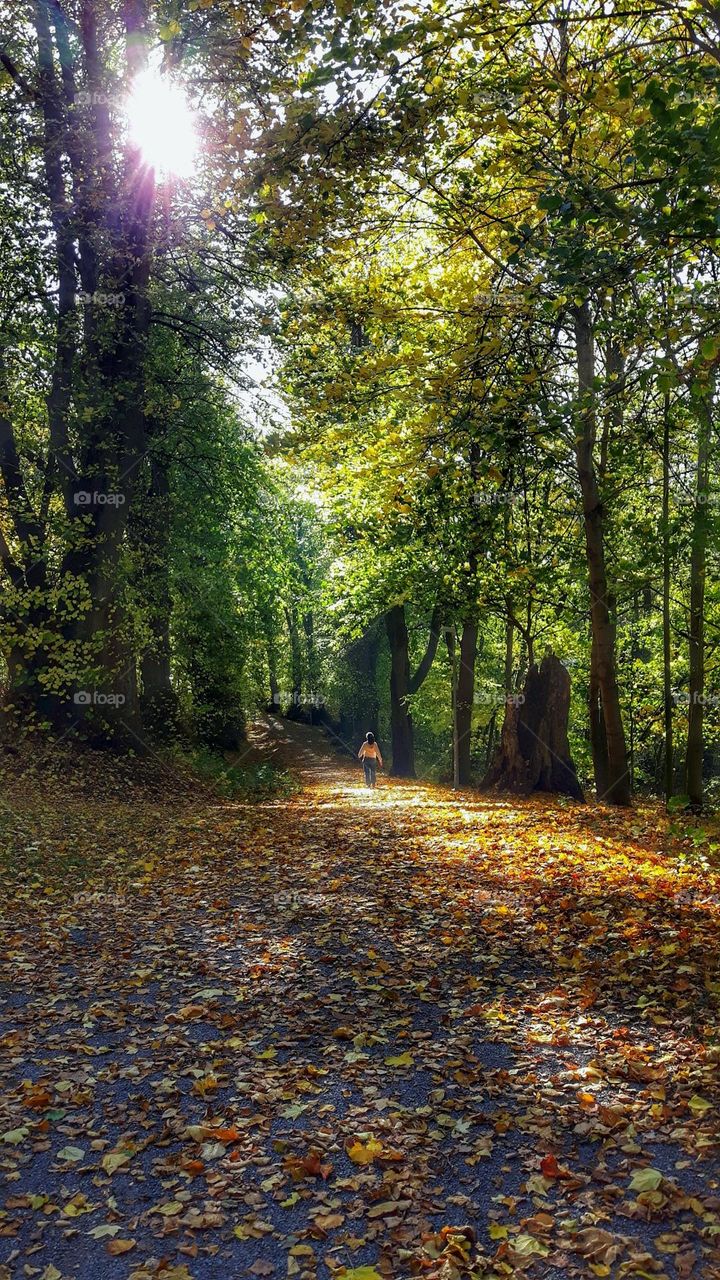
[[370, 755]]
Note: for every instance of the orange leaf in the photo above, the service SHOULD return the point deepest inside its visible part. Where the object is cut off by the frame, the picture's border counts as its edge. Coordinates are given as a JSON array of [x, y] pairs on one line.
[[226, 1135], [551, 1169]]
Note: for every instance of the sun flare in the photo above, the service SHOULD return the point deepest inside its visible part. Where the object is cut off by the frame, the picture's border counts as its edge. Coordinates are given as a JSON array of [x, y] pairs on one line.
[[161, 125]]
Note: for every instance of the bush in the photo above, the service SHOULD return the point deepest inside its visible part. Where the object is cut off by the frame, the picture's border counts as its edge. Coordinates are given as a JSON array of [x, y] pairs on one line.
[[251, 782]]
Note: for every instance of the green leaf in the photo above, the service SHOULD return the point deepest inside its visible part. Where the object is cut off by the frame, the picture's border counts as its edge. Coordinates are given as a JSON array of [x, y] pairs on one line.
[[15, 1136], [71, 1154], [646, 1180]]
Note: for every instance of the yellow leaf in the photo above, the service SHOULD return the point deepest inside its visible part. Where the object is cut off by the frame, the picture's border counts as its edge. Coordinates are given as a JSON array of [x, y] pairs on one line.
[[699, 1104], [359, 1273], [401, 1060], [115, 1159], [528, 1245], [497, 1231], [365, 1152], [170, 1209], [116, 1247]]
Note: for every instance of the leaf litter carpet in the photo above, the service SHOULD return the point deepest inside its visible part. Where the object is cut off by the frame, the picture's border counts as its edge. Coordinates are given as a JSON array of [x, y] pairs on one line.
[[362, 1034]]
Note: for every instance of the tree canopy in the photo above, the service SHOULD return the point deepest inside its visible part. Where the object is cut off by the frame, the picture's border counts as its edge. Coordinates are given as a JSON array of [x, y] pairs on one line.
[[363, 362]]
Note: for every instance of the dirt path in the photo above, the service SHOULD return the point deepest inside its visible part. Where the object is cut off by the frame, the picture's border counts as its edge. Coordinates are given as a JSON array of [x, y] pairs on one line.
[[365, 1034]]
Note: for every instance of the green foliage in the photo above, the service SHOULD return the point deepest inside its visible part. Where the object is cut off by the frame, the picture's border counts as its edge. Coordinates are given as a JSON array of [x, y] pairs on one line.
[[253, 783]]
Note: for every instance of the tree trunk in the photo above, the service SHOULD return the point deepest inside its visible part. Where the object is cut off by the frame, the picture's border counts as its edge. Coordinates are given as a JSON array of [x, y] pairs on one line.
[[618, 788], [465, 690], [272, 672], [311, 657], [667, 662], [509, 646], [296, 658], [403, 685], [598, 738], [696, 630], [401, 730], [158, 701], [451, 642], [490, 743], [534, 754]]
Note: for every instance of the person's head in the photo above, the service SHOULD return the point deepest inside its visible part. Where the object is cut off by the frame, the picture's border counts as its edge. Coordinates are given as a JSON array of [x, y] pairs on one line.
[[370, 738]]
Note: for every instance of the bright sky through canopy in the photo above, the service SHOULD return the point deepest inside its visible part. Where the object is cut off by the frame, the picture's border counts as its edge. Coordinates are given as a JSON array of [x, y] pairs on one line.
[[162, 125]]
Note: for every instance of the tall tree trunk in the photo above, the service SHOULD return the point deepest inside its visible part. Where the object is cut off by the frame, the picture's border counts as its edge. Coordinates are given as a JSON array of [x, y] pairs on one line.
[[403, 685], [611, 427], [93, 213], [464, 694], [312, 663], [598, 738], [490, 741], [509, 646], [296, 655], [272, 671], [158, 703], [401, 729], [667, 661], [696, 631], [618, 789], [451, 642]]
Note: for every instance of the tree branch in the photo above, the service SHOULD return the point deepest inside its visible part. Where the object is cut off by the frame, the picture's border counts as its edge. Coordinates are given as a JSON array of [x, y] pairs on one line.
[[429, 655]]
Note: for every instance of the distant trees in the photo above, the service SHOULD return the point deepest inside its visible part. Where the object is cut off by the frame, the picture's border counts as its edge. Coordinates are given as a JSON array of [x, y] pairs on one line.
[[525, 196]]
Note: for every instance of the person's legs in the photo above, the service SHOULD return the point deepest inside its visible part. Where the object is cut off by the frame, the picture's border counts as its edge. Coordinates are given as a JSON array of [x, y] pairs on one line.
[[368, 767], [373, 768]]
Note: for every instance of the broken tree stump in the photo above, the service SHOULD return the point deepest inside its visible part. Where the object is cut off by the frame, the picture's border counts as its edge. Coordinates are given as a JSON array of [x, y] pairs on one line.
[[533, 753]]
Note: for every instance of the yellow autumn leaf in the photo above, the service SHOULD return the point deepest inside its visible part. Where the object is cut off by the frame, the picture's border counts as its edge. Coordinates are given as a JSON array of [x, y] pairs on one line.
[[699, 1104], [365, 1152], [115, 1160], [497, 1231], [170, 1209], [117, 1247], [527, 1245], [359, 1273], [400, 1060]]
